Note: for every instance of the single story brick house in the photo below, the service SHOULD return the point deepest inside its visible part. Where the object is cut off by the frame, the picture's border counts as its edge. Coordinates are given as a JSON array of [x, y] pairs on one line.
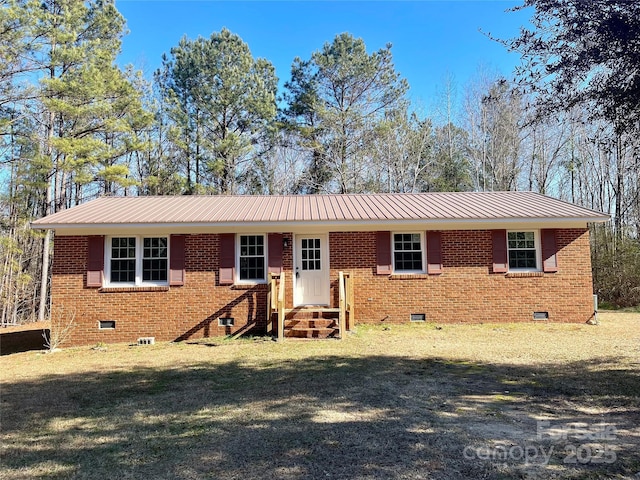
[[175, 268]]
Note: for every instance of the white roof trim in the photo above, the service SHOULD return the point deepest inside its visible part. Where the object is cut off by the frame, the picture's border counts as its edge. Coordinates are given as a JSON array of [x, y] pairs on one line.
[[316, 226]]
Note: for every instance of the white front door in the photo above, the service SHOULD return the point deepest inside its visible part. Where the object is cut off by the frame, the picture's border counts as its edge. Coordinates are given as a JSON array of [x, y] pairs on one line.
[[311, 270]]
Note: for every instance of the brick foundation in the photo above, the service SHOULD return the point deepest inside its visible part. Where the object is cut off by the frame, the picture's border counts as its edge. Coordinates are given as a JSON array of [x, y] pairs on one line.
[[466, 291]]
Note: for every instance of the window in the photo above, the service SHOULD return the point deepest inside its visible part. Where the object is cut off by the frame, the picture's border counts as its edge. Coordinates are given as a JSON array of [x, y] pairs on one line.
[[522, 249], [251, 258], [154, 259], [123, 259], [408, 255], [137, 260], [310, 253]]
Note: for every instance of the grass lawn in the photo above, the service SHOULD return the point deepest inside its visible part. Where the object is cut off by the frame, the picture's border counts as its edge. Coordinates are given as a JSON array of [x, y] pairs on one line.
[[400, 402]]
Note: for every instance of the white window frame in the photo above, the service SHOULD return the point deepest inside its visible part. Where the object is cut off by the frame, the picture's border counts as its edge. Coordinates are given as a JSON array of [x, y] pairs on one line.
[[537, 244], [265, 258], [423, 250], [139, 253]]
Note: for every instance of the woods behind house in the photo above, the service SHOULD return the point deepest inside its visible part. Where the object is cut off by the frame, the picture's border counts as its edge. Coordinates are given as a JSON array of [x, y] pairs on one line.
[[212, 120]]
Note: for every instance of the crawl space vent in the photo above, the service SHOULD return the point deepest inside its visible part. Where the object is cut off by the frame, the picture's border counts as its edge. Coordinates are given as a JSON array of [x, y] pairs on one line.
[[418, 317], [107, 324], [146, 340], [541, 315], [226, 322]]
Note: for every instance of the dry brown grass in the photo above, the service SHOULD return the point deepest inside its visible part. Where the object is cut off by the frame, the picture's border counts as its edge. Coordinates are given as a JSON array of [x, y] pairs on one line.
[[402, 402]]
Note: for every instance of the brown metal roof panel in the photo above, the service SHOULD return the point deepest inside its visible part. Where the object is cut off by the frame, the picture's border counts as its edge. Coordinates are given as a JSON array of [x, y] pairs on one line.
[[178, 213], [273, 212], [387, 206], [357, 208], [322, 208], [363, 207], [422, 206], [330, 211], [346, 207], [377, 208], [263, 208], [276, 210], [252, 209], [406, 206], [530, 207], [437, 206], [209, 210], [281, 211], [485, 207]]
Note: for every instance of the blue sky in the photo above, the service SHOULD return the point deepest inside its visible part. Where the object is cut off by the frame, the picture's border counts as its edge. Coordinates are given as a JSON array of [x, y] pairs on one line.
[[431, 39]]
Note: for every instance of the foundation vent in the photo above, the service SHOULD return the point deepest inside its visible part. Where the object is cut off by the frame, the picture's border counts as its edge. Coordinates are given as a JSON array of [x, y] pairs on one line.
[[541, 315], [226, 322], [418, 317], [107, 325], [146, 340]]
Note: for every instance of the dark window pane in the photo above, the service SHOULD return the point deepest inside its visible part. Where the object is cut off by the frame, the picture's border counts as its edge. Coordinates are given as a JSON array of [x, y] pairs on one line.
[[123, 271], [522, 250], [123, 264], [407, 252], [522, 259], [251, 258], [154, 270], [154, 259]]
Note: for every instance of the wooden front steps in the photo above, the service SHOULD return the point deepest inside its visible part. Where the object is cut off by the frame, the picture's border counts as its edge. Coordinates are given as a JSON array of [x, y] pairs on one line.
[[312, 322]]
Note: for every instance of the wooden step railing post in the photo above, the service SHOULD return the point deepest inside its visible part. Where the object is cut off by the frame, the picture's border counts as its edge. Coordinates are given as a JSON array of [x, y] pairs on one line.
[[350, 300], [342, 299], [269, 312], [281, 307]]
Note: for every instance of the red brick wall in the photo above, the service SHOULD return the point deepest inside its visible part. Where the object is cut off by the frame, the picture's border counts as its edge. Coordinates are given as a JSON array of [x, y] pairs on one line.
[[466, 291], [179, 313]]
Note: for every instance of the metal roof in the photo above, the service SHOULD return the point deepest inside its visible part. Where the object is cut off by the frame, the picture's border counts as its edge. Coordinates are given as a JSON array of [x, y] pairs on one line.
[[317, 209]]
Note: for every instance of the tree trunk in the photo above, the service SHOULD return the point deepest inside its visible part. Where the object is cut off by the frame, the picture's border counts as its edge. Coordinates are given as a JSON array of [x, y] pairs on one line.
[[49, 202]]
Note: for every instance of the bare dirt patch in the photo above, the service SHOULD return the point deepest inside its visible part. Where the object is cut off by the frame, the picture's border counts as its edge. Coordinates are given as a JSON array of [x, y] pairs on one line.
[[418, 401]]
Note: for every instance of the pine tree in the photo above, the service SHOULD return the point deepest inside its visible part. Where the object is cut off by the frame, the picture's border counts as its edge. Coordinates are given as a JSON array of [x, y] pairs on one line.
[[87, 108], [335, 100], [223, 103]]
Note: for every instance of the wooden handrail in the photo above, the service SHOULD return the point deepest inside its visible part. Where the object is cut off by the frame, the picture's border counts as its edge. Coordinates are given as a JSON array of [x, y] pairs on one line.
[[343, 305], [281, 308], [350, 300], [274, 294], [269, 312]]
